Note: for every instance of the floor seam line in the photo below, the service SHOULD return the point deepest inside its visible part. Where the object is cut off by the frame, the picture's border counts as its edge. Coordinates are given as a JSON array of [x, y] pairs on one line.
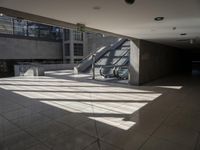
[[169, 114]]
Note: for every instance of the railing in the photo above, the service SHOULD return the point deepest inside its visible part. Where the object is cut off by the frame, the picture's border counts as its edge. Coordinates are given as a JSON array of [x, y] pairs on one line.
[[121, 72], [92, 53], [108, 70], [87, 61]]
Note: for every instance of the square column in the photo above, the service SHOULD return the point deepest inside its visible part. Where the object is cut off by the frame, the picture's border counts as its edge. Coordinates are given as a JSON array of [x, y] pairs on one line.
[[134, 65]]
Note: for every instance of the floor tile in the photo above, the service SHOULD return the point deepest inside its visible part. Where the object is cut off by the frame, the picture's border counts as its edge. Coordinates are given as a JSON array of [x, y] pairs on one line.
[[18, 113], [18, 141], [39, 147], [7, 128], [55, 113], [124, 139], [155, 116], [178, 135], [30, 120], [93, 128], [160, 144], [74, 140], [101, 146], [47, 130], [73, 120]]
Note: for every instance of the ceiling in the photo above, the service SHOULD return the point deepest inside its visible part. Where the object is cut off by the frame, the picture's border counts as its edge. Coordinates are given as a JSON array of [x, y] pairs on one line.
[[116, 16]]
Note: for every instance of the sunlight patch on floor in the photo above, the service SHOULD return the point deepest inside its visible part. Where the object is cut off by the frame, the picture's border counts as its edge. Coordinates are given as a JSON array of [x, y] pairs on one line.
[[106, 103]]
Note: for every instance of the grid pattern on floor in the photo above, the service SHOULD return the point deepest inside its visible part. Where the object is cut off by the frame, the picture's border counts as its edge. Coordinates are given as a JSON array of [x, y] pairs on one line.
[[69, 113]]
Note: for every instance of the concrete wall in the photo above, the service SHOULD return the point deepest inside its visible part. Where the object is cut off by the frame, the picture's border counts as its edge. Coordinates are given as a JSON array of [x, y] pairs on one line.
[[14, 48], [39, 69], [134, 65], [156, 61]]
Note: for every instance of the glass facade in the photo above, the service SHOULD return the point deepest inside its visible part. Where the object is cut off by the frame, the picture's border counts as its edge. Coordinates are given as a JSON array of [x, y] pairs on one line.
[[21, 27], [6, 25], [67, 49], [66, 34], [73, 40], [78, 36], [33, 29], [78, 49], [77, 61]]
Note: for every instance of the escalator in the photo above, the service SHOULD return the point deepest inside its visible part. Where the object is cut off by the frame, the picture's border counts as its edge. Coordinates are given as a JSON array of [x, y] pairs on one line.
[[85, 65], [110, 61], [121, 72], [113, 64]]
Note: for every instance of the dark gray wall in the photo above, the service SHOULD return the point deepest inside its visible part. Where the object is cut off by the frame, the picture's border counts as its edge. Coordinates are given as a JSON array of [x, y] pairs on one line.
[[14, 48], [156, 61]]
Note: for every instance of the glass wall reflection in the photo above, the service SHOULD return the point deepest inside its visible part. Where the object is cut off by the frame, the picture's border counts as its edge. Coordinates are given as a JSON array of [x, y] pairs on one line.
[[21, 27]]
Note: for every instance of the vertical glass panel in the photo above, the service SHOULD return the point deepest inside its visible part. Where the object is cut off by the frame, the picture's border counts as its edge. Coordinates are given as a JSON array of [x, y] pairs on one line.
[[20, 27], [67, 49], [45, 31], [56, 33], [78, 49], [6, 25], [66, 34], [33, 29], [78, 36]]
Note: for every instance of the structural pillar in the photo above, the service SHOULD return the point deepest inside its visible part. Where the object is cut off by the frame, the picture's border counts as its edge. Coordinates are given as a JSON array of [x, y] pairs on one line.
[[134, 66]]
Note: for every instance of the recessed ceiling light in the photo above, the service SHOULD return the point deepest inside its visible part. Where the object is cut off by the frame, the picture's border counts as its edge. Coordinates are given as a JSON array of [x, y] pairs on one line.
[[96, 7], [1, 14], [159, 18], [130, 2], [183, 34]]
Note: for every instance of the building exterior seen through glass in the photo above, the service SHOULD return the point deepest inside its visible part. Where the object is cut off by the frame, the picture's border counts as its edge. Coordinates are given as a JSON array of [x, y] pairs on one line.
[[21, 27]]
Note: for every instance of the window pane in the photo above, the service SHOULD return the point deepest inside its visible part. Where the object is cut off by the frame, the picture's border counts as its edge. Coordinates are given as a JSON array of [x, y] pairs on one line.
[[78, 49], [20, 27], [67, 34], [78, 36], [33, 29], [45, 31], [56, 33], [6, 25], [67, 49]]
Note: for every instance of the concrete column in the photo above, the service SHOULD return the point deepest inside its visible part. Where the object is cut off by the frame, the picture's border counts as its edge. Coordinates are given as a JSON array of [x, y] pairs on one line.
[[134, 66], [84, 47], [71, 47], [63, 46], [150, 61]]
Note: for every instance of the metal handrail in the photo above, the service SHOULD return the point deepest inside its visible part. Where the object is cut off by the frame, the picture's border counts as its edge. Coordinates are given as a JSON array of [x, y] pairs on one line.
[[117, 60], [94, 52], [113, 66], [87, 62], [116, 71]]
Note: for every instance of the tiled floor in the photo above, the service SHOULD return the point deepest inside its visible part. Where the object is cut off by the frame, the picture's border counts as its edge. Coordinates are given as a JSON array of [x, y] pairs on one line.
[[62, 111]]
